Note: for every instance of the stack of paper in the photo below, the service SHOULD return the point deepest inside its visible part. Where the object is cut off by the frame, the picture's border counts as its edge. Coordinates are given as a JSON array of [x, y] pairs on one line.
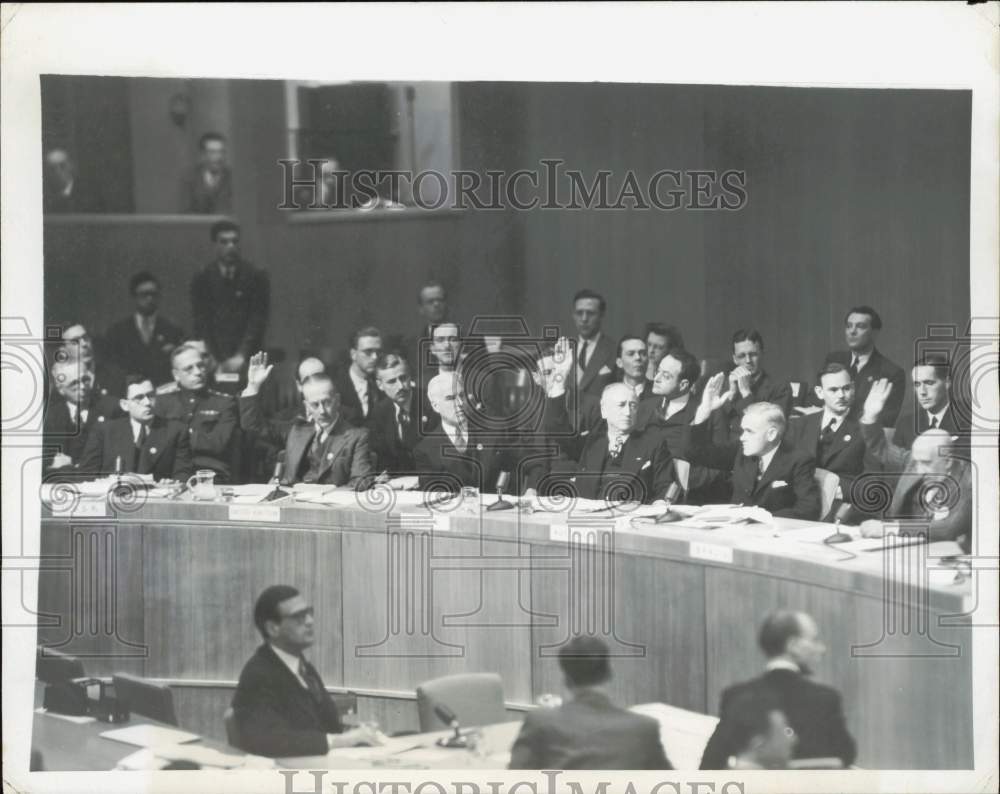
[[149, 735]]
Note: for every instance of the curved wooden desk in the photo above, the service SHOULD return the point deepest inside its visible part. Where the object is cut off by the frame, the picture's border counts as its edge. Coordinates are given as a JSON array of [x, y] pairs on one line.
[[166, 589]]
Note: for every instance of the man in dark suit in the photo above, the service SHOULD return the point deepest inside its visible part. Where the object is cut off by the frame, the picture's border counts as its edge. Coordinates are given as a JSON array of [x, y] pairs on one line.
[[588, 731], [107, 378], [632, 361], [72, 411], [320, 447], [766, 472], [660, 340], [210, 417], [432, 306], [758, 732], [396, 426], [831, 436], [457, 454], [615, 461], [594, 355], [281, 707], [359, 393], [230, 301], [749, 383], [933, 495], [791, 642], [141, 344], [208, 188], [141, 442], [865, 363]]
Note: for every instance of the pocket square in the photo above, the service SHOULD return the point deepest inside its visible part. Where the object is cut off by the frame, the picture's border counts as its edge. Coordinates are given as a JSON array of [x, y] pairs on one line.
[[646, 465], [779, 484], [605, 370]]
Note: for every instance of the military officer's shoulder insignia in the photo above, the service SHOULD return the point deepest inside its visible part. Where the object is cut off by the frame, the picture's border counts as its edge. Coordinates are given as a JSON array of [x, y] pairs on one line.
[[167, 388]]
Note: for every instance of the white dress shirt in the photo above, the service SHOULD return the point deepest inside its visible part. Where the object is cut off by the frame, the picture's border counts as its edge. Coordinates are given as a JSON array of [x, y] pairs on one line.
[[827, 417], [145, 326], [676, 405], [459, 436], [74, 410], [591, 344], [136, 429], [939, 415], [861, 359], [291, 662], [765, 460], [361, 387]]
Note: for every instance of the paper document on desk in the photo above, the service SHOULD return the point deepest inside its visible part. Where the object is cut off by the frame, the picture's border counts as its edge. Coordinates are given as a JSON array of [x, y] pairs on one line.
[[77, 720], [403, 483], [327, 495], [149, 735], [881, 544], [717, 516]]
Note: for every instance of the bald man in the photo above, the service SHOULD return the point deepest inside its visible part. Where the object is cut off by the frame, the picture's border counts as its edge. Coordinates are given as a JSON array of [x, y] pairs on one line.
[[616, 460], [766, 472], [933, 495]]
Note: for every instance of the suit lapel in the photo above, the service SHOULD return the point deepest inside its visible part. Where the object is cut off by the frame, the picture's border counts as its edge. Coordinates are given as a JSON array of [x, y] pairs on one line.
[[770, 472], [295, 448], [594, 363], [335, 443], [122, 443], [811, 430]]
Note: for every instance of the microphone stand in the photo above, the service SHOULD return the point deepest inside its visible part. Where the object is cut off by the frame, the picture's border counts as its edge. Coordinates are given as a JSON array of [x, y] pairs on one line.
[[500, 503]]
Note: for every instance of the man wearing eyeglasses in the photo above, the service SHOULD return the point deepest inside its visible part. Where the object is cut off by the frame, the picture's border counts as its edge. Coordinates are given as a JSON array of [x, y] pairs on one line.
[[142, 343], [140, 442], [281, 707]]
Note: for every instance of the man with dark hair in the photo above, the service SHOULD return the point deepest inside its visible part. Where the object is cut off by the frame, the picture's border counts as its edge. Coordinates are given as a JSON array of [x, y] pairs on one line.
[[281, 706], [397, 426], [759, 733], [791, 642], [230, 301], [359, 394], [142, 343], [588, 731], [750, 383], [766, 472], [208, 188], [209, 416], [865, 363], [832, 436], [320, 447], [632, 360], [432, 306], [594, 355], [140, 442], [660, 340], [107, 379]]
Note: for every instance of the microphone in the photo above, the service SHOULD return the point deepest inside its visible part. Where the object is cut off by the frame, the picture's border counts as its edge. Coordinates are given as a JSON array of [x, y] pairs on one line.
[[838, 536], [668, 516], [502, 479], [449, 718]]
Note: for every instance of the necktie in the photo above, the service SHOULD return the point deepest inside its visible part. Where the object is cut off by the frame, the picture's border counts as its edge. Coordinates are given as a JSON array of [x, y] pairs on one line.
[[582, 357], [853, 369], [760, 469], [139, 443], [308, 675], [404, 423], [615, 449], [460, 440], [370, 396], [934, 423]]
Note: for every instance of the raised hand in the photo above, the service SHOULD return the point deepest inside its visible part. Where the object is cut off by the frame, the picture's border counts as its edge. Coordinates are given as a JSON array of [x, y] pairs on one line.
[[875, 401], [712, 398], [257, 373], [739, 378]]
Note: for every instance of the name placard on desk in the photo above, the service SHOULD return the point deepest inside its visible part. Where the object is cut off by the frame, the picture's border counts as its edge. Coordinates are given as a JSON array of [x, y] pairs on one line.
[[417, 522], [712, 552], [82, 508], [265, 513], [578, 534]]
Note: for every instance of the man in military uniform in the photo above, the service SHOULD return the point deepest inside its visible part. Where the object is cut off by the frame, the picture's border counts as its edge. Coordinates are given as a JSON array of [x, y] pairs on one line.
[[210, 416]]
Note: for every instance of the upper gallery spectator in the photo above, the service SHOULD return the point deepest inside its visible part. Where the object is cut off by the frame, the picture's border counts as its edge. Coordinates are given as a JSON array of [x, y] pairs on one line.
[[866, 364], [230, 301], [359, 394], [321, 447], [73, 409], [832, 436], [140, 442], [660, 340], [281, 705], [766, 472], [210, 416], [432, 306], [107, 378], [141, 343], [208, 188], [63, 190], [749, 383], [588, 731], [594, 355], [791, 642], [632, 362]]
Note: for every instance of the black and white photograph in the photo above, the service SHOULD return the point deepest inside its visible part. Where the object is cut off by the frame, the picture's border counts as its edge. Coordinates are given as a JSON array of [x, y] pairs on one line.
[[377, 409]]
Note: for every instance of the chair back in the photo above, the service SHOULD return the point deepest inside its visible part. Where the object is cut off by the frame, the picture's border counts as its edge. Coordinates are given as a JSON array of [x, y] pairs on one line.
[[682, 469], [475, 698], [828, 483], [144, 697], [52, 666]]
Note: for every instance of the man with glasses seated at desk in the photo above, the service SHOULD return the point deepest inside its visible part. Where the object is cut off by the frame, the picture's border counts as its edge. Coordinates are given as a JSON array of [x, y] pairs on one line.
[[281, 707]]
